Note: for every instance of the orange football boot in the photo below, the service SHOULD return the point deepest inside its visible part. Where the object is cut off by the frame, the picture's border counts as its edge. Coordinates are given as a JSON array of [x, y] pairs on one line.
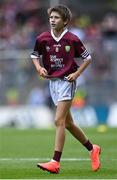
[[52, 166], [95, 157]]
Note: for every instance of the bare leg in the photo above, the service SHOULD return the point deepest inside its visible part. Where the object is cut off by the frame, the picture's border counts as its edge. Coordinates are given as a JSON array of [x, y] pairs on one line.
[[53, 166], [74, 130], [60, 118], [63, 119]]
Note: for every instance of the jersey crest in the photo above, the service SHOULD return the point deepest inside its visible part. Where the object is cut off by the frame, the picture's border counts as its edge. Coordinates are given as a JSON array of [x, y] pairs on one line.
[[67, 48]]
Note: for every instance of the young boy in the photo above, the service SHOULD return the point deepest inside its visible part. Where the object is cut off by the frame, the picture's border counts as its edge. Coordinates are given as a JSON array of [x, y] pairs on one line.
[[58, 48]]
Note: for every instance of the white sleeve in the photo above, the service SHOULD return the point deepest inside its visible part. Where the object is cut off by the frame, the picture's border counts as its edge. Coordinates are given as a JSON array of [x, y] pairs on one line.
[[87, 58], [34, 56]]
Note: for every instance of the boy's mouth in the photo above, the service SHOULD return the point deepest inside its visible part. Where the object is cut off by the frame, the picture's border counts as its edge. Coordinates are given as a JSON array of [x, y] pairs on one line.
[[53, 25]]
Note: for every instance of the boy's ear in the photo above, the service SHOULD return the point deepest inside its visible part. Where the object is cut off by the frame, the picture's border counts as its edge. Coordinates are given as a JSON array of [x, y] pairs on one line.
[[66, 22]]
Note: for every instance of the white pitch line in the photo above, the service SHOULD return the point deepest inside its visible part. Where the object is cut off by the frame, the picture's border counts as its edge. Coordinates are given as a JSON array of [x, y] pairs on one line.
[[48, 159], [43, 159]]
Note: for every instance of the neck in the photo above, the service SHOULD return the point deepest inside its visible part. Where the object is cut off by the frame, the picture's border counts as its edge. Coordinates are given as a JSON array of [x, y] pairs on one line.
[[58, 33]]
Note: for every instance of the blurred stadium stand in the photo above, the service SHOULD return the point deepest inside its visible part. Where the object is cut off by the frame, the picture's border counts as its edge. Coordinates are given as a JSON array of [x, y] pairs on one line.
[[95, 22]]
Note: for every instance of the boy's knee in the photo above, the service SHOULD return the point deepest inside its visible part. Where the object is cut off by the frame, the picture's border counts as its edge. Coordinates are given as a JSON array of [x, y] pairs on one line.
[[59, 122]]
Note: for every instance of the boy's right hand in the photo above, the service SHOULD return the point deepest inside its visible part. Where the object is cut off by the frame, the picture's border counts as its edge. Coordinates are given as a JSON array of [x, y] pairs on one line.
[[43, 72]]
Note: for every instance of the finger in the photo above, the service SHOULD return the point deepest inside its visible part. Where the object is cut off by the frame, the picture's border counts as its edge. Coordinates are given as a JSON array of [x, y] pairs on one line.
[[69, 78], [45, 71], [48, 76]]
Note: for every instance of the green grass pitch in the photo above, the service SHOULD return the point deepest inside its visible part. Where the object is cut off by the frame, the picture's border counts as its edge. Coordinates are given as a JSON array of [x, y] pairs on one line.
[[20, 150]]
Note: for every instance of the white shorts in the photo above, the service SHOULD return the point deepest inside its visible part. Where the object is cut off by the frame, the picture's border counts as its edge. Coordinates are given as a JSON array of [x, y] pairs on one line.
[[61, 90]]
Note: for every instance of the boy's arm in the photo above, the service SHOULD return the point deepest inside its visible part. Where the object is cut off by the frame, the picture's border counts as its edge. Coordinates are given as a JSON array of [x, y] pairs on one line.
[[83, 66], [41, 70]]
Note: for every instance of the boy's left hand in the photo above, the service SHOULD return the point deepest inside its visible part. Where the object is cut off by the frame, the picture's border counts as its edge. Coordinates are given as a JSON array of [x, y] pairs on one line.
[[72, 77]]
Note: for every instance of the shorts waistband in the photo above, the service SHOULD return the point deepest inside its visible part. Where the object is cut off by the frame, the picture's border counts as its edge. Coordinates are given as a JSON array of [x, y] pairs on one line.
[[64, 78]]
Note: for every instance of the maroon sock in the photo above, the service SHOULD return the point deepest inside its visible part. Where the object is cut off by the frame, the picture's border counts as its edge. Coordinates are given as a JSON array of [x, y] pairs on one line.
[[57, 156], [88, 145]]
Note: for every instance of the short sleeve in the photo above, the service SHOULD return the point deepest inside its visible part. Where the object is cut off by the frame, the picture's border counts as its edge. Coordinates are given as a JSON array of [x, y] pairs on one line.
[[80, 50], [37, 49]]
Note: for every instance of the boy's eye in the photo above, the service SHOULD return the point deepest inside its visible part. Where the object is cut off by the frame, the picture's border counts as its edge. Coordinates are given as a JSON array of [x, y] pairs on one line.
[[54, 17]]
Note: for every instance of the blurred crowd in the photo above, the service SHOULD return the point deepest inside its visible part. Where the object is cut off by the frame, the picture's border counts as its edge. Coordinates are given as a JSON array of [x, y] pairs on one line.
[[21, 21]]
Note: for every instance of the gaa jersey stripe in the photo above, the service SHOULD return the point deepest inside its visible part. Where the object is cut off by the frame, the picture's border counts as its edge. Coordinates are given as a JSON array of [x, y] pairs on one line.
[[35, 53], [84, 54]]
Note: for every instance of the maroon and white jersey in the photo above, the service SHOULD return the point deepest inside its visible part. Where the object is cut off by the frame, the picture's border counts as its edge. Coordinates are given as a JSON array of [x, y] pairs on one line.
[[58, 54]]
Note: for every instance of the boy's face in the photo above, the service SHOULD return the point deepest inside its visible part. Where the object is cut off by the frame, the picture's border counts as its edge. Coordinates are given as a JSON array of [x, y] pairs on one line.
[[56, 21]]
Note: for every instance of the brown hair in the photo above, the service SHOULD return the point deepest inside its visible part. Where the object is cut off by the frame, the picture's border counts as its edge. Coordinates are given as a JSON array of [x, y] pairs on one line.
[[63, 10]]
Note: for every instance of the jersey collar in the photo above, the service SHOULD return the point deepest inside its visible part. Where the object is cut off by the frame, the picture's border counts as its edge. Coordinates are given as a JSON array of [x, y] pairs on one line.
[[58, 38]]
